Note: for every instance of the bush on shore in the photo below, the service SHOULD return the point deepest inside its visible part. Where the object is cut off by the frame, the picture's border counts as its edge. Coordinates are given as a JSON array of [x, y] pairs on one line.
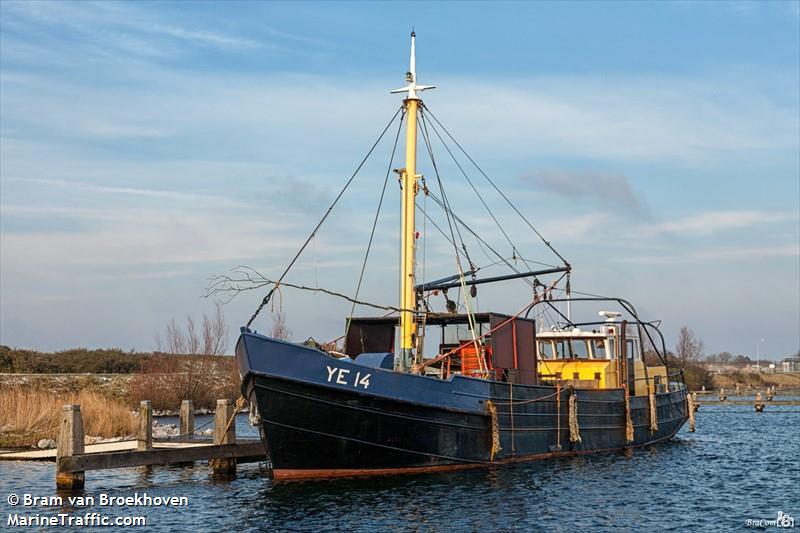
[[73, 361], [166, 380]]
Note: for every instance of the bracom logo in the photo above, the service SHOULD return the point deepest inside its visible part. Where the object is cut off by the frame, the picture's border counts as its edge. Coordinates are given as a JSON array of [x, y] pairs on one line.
[[783, 521]]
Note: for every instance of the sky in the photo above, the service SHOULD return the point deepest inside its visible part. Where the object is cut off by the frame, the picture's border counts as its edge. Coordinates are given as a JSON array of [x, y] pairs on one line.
[[146, 147]]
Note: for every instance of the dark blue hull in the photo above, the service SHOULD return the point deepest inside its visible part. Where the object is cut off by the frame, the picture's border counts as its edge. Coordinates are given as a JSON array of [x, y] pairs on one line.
[[328, 417]]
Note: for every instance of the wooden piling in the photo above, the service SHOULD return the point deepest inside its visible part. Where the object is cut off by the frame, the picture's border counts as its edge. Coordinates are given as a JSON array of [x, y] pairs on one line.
[[187, 418], [70, 443], [722, 394], [145, 434], [759, 405], [224, 433]]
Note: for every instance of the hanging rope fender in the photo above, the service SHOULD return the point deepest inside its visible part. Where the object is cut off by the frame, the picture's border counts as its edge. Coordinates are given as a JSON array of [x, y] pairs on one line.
[[628, 421], [574, 430], [653, 413], [690, 405], [495, 430], [558, 416]]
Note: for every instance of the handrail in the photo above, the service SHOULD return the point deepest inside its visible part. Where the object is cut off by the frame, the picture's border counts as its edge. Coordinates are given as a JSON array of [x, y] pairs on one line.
[[629, 307]]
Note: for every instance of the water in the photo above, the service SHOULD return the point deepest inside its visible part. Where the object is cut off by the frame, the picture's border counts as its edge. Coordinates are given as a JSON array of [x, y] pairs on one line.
[[739, 465]]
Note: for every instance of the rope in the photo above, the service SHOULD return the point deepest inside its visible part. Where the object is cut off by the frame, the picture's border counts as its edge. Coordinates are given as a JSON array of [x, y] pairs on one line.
[[482, 365], [628, 421], [261, 281], [495, 430], [266, 299], [523, 402], [446, 355], [558, 416], [480, 240], [472, 185], [514, 207], [691, 406], [374, 224], [511, 408], [653, 413], [236, 408], [574, 430], [253, 416]]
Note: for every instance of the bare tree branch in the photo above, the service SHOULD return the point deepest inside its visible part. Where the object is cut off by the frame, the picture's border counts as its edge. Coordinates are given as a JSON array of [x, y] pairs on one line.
[[244, 278]]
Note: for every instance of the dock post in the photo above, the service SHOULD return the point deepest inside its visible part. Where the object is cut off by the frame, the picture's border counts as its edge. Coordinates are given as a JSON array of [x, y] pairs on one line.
[[759, 405], [224, 433], [70, 442], [145, 436], [187, 418]]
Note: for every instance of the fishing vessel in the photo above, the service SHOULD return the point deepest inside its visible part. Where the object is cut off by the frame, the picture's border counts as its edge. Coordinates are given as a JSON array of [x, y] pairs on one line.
[[436, 384]]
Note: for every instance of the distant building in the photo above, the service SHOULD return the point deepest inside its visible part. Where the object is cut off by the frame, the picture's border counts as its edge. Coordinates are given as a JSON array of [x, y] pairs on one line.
[[790, 364]]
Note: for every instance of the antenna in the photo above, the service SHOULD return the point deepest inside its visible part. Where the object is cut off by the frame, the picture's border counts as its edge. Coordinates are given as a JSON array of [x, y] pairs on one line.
[[411, 75]]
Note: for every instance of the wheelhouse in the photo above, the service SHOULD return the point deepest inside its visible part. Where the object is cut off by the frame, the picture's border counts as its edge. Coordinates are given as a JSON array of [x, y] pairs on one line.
[[605, 354]]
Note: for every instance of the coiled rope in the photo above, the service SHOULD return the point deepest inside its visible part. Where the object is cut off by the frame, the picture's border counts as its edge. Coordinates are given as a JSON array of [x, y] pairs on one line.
[[495, 430], [653, 413], [574, 430]]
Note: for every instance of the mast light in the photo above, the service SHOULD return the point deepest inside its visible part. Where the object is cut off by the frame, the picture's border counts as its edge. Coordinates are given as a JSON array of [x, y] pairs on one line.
[[411, 76]]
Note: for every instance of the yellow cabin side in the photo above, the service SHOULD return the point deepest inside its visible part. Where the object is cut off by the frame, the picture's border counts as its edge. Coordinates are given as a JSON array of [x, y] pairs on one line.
[[602, 371]]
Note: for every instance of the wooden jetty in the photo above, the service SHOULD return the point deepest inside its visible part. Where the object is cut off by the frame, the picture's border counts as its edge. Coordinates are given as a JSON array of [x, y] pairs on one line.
[[73, 459]]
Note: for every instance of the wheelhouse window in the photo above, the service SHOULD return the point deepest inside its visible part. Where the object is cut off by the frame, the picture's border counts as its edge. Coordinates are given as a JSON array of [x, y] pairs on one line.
[[599, 348], [630, 349], [546, 350], [562, 349], [580, 349]]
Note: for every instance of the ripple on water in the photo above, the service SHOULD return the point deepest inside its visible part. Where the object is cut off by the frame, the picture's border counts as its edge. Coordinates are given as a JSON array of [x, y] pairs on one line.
[[739, 465]]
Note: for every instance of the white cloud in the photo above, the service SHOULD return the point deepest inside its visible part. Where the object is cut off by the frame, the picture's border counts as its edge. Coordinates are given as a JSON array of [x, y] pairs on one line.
[[623, 119], [718, 253], [192, 199], [716, 221]]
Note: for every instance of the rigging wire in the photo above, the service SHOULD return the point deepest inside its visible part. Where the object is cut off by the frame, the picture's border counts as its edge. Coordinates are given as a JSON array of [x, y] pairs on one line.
[[375, 223], [496, 188], [425, 136], [532, 284], [470, 230], [471, 184], [266, 299], [428, 218], [470, 316], [514, 248]]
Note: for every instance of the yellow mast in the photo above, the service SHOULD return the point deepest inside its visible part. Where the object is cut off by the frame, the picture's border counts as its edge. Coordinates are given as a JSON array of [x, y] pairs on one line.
[[408, 177]]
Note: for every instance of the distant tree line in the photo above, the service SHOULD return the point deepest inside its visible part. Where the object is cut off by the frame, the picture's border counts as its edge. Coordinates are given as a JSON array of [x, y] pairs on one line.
[[86, 361], [74, 361], [727, 358]]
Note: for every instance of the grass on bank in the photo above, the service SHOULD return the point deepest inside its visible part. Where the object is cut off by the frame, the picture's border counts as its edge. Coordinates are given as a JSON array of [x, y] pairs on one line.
[[28, 415]]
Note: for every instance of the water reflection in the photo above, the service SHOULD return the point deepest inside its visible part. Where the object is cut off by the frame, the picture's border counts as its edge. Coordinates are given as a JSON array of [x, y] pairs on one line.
[[704, 480]]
